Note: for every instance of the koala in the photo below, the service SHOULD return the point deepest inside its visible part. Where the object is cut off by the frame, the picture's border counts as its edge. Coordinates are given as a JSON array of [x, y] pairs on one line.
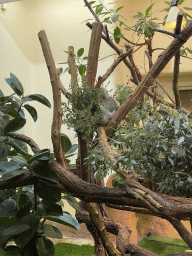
[[110, 106]]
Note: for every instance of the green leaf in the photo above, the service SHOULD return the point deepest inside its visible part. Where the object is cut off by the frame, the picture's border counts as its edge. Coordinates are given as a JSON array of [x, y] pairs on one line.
[[80, 52], [65, 219], [15, 230], [15, 84], [72, 149], [14, 125], [65, 142], [14, 173], [33, 221], [52, 231], [6, 167], [2, 252], [46, 171], [24, 205], [7, 221], [19, 159], [187, 8], [82, 69], [171, 161], [52, 194], [169, 3], [50, 208], [99, 8], [1, 93], [119, 8], [117, 32], [32, 111], [40, 98], [148, 9], [72, 202], [38, 155], [45, 247], [18, 145], [8, 207], [180, 140], [181, 1], [4, 150], [115, 17]]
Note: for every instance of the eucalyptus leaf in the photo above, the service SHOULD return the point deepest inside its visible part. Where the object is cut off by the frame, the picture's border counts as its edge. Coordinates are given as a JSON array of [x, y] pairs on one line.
[[115, 17]]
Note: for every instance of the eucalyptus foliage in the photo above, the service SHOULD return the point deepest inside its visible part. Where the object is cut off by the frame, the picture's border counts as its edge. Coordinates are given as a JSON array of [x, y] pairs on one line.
[[156, 142]]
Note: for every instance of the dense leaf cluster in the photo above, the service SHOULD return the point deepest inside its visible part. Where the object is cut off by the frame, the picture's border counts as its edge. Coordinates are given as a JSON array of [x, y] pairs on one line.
[[157, 143], [23, 211], [82, 111]]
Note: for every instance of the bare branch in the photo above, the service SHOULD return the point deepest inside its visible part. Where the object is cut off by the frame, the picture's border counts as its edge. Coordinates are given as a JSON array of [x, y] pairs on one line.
[[177, 62], [73, 68], [162, 87], [63, 90], [121, 57], [57, 112], [93, 55]]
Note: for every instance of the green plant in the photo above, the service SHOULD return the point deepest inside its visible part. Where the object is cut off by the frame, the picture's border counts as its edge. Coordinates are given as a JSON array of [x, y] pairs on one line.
[[81, 112], [24, 211], [156, 142]]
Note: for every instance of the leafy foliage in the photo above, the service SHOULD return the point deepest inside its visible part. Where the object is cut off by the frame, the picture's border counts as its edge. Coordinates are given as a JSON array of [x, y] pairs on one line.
[[145, 24], [156, 142], [23, 211], [82, 111]]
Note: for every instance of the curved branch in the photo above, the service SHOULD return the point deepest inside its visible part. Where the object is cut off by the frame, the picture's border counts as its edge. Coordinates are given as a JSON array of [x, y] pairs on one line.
[[34, 147]]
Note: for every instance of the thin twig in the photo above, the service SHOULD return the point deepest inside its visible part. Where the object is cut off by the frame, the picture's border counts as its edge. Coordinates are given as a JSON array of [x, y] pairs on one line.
[[102, 79], [151, 63]]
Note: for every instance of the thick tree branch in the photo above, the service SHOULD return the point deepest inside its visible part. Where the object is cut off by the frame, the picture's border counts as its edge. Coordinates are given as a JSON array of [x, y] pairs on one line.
[[57, 112], [93, 55], [177, 62], [127, 63]]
